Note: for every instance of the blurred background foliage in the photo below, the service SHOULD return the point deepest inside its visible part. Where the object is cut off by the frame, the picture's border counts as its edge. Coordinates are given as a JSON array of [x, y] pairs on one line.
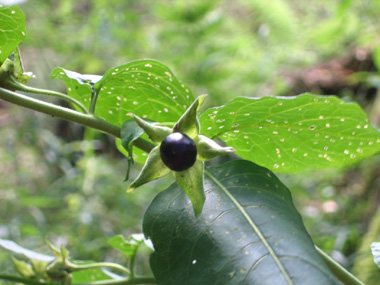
[[63, 183]]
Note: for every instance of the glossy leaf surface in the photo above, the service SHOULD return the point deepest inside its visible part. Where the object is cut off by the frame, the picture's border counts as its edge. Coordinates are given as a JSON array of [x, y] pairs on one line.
[[12, 30], [130, 132], [249, 232], [288, 134], [146, 88], [79, 86], [128, 247]]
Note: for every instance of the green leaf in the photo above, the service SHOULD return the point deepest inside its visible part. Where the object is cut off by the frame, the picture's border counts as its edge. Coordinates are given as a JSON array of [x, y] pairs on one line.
[[89, 275], [12, 30], [15, 248], [139, 155], [128, 247], [146, 88], [294, 133], [79, 86], [130, 132], [249, 232]]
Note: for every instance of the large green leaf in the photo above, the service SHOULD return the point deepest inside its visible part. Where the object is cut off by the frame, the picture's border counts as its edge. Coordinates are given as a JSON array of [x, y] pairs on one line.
[[146, 88], [296, 133], [249, 232], [12, 30]]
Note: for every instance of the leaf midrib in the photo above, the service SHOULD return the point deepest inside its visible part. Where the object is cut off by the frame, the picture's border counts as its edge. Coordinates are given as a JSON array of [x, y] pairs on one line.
[[253, 225]]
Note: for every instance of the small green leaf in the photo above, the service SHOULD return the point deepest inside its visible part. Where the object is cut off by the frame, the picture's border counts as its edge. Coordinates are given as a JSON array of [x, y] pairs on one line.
[[128, 247], [292, 134], [23, 268], [79, 86], [89, 275], [154, 168], [130, 132], [139, 155], [191, 182], [249, 232], [12, 23]]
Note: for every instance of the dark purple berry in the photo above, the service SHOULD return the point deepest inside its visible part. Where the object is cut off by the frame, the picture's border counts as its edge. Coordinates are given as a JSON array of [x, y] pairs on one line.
[[178, 152]]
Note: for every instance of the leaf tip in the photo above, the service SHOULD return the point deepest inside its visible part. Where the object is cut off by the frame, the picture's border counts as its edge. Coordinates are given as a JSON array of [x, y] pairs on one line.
[[131, 188], [201, 99]]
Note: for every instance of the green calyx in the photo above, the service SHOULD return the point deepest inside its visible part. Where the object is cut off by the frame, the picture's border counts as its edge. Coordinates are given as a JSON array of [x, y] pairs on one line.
[[208, 149], [190, 180]]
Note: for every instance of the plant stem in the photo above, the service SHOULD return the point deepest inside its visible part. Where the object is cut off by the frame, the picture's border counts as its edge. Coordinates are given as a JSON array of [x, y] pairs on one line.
[[23, 280], [94, 98], [123, 281], [76, 267], [21, 87], [69, 115], [338, 270]]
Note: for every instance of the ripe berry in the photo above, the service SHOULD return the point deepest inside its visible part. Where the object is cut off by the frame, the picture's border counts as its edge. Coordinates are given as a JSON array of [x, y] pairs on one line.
[[178, 152]]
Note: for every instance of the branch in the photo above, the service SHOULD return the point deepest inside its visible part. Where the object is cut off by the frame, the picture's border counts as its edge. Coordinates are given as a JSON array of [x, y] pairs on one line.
[[23, 280], [122, 281], [69, 115], [76, 267], [21, 87]]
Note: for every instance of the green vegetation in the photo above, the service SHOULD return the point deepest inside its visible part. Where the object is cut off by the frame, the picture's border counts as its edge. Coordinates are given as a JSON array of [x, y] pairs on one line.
[[64, 183]]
